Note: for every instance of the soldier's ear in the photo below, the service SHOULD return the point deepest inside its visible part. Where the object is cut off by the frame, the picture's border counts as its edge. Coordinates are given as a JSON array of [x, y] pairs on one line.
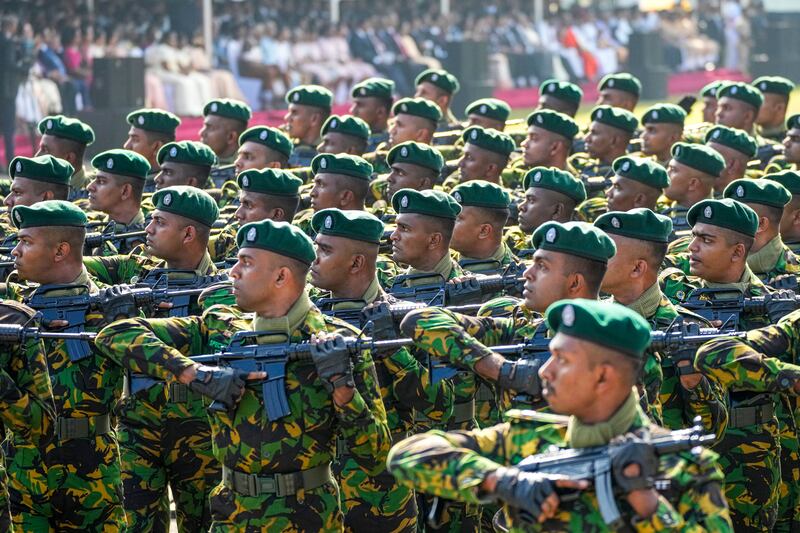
[[357, 263], [435, 239], [640, 268], [278, 214], [485, 231]]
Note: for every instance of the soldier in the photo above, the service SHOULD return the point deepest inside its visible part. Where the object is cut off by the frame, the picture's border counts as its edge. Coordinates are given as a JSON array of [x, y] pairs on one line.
[[771, 120], [791, 147], [607, 139], [71, 482], [165, 439], [412, 165], [709, 96], [548, 144], [372, 103], [692, 172], [340, 181], [769, 257], [599, 347], [478, 232], [347, 250], [309, 107], [116, 191], [620, 90], [636, 183], [344, 134], [550, 195], [276, 472], [27, 412], [641, 238], [267, 194], [67, 139], [561, 96], [37, 179], [225, 121], [439, 86], [150, 130], [262, 147], [488, 113], [790, 220], [663, 127], [484, 157], [723, 233], [185, 163], [737, 149], [738, 106]]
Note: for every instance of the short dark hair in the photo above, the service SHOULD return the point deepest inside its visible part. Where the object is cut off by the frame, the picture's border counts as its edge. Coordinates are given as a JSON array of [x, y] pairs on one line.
[[60, 191], [441, 225], [74, 236], [591, 270], [289, 204]]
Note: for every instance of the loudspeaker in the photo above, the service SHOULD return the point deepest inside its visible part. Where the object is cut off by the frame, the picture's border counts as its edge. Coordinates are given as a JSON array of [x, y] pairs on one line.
[[118, 82], [110, 128]]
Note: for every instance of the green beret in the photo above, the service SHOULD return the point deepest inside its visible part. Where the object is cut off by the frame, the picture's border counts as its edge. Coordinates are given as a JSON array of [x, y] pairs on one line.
[[555, 122], [615, 117], [711, 89], [419, 107], [741, 91], [351, 224], [374, 87], [190, 202], [574, 238], [228, 108], [640, 223], [347, 125], [643, 170], [311, 95], [441, 78], [122, 163], [44, 168], [48, 213], [344, 164], [188, 153], [563, 90], [557, 180], [430, 202], [664, 113], [480, 193], [699, 157], [155, 120], [272, 181], [278, 237], [793, 122], [607, 324], [733, 138], [489, 108], [489, 139], [67, 128], [788, 178], [725, 213], [270, 137], [415, 153], [621, 82], [774, 84], [759, 191]]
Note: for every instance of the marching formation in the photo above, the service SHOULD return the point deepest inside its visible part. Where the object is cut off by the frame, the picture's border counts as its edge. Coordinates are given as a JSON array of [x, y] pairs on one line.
[[394, 321]]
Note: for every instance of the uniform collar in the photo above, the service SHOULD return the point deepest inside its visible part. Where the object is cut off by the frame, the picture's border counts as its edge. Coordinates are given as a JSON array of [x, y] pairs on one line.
[[767, 257], [283, 325], [647, 303]]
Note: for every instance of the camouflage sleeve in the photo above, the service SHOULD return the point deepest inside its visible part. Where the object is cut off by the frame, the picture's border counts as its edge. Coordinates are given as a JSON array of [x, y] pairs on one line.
[[707, 401], [26, 399], [752, 363], [157, 347], [456, 337], [675, 285], [115, 269], [413, 387], [652, 378], [450, 465]]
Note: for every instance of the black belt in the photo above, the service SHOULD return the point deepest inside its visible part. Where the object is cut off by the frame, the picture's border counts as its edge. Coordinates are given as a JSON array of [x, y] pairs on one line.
[[280, 485], [750, 415], [178, 392], [82, 428]]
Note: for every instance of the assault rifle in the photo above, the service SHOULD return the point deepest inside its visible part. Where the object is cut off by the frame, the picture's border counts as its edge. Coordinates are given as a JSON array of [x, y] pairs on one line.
[[440, 293], [15, 334], [728, 305], [351, 310], [175, 280], [95, 240]]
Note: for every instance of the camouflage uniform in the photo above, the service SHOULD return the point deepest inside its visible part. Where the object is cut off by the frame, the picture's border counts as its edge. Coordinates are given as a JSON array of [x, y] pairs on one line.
[[590, 167], [72, 481], [245, 441], [119, 246], [223, 171], [27, 412], [591, 208], [492, 264], [164, 434], [377, 159], [77, 185], [753, 435], [452, 465], [302, 154], [516, 239], [376, 138]]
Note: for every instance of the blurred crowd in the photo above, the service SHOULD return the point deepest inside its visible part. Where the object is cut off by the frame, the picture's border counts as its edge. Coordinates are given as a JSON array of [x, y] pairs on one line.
[[264, 47]]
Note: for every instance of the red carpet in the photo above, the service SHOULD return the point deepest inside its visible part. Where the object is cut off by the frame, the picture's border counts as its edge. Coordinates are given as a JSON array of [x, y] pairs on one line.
[[678, 84]]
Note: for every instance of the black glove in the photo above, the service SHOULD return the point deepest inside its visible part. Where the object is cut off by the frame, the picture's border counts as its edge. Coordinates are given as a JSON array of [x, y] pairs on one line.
[[333, 363], [225, 385], [628, 450], [524, 492], [118, 302], [780, 304], [521, 376]]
